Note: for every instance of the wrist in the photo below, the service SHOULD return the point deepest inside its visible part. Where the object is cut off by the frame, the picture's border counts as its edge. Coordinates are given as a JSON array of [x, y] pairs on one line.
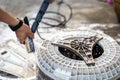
[[14, 23], [16, 26]]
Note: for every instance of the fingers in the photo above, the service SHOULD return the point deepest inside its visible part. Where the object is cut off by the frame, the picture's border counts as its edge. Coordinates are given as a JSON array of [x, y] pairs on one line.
[[31, 34], [23, 32], [22, 41]]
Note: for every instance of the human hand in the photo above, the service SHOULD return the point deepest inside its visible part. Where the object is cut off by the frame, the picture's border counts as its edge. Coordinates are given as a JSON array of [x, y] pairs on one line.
[[23, 32]]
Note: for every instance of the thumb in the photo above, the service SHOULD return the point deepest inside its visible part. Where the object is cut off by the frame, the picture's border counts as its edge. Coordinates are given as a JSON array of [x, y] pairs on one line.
[[31, 35]]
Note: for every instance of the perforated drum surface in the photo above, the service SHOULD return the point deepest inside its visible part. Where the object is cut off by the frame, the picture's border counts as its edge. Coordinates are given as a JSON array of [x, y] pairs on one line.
[[59, 67]]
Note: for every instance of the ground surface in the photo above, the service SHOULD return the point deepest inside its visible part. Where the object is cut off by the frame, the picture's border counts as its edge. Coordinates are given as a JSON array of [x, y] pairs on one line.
[[87, 14]]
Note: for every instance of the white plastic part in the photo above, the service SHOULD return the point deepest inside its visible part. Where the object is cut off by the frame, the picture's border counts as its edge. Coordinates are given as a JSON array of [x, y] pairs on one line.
[[53, 64], [15, 60]]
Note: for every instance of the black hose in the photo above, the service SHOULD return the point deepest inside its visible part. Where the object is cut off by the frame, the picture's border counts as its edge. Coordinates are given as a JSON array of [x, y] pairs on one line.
[[60, 24]]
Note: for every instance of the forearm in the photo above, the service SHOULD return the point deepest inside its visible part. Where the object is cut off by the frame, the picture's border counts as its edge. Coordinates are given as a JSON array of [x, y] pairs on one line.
[[8, 18]]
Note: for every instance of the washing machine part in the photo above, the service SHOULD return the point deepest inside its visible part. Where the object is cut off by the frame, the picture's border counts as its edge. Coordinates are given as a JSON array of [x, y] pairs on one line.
[[79, 55], [16, 63]]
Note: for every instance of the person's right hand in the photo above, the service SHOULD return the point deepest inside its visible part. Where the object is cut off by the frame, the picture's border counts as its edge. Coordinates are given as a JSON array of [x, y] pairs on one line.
[[23, 32]]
